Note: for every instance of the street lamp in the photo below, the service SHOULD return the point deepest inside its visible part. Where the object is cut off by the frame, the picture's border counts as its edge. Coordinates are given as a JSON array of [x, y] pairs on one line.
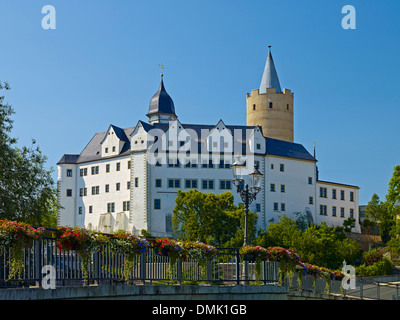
[[246, 194]]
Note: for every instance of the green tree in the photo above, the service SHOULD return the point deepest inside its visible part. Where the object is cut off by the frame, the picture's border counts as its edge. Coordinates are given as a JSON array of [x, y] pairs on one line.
[[280, 234], [27, 192], [210, 218]]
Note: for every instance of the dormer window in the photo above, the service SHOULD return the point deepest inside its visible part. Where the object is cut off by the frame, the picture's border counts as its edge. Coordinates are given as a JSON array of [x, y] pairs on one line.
[[106, 150], [113, 149]]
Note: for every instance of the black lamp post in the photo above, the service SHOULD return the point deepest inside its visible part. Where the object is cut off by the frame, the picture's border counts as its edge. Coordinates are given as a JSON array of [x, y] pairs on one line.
[[246, 194]]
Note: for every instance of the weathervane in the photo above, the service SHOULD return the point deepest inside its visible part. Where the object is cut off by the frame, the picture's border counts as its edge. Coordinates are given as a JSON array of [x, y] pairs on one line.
[[162, 68]]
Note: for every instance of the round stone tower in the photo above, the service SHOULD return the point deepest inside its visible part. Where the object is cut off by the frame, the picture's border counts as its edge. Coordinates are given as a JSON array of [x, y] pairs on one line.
[[271, 108]]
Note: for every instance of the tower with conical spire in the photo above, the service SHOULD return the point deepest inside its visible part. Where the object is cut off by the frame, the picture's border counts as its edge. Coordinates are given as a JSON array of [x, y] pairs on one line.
[[269, 107], [161, 108]]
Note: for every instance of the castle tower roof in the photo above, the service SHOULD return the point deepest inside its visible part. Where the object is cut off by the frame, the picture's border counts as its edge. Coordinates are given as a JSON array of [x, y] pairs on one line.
[[161, 102], [270, 76]]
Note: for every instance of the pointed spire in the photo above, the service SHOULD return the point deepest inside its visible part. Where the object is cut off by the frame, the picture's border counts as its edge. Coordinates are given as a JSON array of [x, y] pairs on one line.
[[270, 76]]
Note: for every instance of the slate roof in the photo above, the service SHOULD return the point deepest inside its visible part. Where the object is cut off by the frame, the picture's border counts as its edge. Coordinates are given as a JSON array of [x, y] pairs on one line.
[[270, 76], [161, 102], [274, 147]]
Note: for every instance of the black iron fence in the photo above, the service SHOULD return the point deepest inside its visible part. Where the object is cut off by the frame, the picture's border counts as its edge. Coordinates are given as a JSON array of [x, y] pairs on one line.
[[107, 267], [228, 267]]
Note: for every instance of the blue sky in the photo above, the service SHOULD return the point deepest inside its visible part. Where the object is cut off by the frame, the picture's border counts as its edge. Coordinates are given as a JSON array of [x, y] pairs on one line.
[[100, 67]]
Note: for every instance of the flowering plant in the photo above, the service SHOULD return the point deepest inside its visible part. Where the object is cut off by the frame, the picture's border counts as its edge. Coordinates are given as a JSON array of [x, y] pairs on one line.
[[167, 247], [131, 245], [288, 260], [16, 236], [254, 253], [199, 251], [257, 254], [84, 242], [170, 248]]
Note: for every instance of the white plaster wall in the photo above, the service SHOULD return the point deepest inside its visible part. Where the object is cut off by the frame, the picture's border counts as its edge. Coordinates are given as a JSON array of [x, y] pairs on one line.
[[330, 202]]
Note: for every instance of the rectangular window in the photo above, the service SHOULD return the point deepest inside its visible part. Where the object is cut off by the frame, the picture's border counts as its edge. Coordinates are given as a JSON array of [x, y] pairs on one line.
[[81, 192], [106, 150], [191, 164], [158, 183], [157, 204], [322, 192], [95, 190], [80, 210], [190, 183], [84, 192], [95, 170], [282, 188], [276, 206], [309, 180], [310, 200], [333, 193], [341, 194], [225, 184], [107, 188], [129, 164], [334, 211], [107, 168], [136, 182], [272, 187], [342, 212], [322, 210], [69, 192], [351, 213], [128, 184], [258, 207], [173, 163], [351, 196], [90, 209], [118, 166], [81, 172], [69, 172], [207, 164], [207, 184], [110, 207], [174, 183], [258, 146], [126, 205], [168, 222], [282, 167], [117, 186], [283, 207]]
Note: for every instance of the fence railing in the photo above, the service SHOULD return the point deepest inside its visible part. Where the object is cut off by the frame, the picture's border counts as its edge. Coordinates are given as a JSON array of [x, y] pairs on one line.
[[107, 267]]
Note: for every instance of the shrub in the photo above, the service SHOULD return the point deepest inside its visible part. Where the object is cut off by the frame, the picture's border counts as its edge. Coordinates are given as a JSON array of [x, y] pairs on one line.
[[382, 267], [372, 257]]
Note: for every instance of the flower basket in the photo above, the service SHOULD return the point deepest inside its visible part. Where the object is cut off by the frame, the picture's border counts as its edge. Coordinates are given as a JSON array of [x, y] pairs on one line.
[[171, 249], [130, 246], [200, 252], [17, 236], [288, 260], [84, 242], [255, 254]]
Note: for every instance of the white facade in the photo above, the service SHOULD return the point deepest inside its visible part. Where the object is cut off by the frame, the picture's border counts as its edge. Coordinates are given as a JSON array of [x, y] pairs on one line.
[[134, 192], [128, 178]]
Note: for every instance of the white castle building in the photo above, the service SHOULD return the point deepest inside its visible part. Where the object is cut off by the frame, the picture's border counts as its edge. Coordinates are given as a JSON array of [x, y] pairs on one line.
[[127, 179]]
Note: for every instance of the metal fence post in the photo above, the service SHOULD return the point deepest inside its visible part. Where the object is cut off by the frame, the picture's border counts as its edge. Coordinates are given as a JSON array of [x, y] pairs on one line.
[[143, 267], [179, 272], [361, 289], [237, 267], [37, 247], [96, 265]]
